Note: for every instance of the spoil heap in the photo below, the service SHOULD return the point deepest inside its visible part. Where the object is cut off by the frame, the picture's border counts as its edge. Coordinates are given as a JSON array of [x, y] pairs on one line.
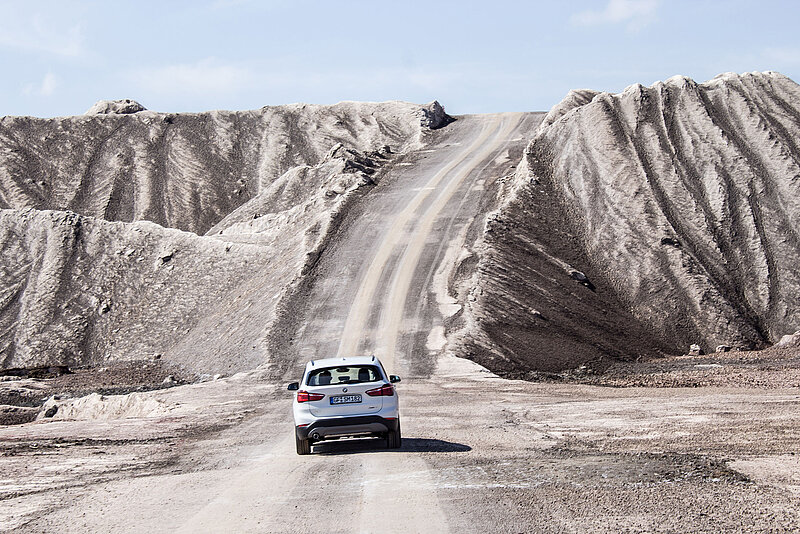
[[643, 222]]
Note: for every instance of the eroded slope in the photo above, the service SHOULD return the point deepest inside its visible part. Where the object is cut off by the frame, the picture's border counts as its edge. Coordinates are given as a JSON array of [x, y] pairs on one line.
[[187, 170], [679, 202], [77, 289]]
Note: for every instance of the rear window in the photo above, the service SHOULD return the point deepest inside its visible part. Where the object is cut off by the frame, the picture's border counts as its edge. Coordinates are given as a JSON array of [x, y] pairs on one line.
[[353, 374]]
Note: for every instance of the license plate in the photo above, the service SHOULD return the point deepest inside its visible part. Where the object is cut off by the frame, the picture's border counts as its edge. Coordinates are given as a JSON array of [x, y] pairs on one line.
[[346, 399]]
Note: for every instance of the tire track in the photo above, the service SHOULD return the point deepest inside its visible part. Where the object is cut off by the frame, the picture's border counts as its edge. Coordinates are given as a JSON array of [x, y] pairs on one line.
[[356, 325], [392, 317]]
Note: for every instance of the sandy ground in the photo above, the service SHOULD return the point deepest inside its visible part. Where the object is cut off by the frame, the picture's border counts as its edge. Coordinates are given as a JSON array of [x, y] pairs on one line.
[[480, 453]]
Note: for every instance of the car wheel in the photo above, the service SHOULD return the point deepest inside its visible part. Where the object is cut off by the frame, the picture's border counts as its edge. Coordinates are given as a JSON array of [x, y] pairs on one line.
[[303, 445], [393, 439]]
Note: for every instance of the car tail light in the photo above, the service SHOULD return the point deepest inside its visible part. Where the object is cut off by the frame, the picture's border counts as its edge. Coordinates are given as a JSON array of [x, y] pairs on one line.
[[305, 396], [384, 391]]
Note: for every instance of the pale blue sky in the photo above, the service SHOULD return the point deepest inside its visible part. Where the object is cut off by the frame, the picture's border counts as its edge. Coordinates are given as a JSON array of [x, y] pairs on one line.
[[59, 57]]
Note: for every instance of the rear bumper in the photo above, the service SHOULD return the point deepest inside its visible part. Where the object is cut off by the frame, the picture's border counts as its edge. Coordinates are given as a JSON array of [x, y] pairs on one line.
[[347, 426]]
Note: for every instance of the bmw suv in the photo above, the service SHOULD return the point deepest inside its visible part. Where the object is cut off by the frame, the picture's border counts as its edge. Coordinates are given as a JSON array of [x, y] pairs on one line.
[[341, 397]]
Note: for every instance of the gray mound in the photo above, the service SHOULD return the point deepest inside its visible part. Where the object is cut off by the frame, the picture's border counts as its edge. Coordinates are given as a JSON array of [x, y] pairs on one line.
[[124, 275], [679, 203], [185, 171]]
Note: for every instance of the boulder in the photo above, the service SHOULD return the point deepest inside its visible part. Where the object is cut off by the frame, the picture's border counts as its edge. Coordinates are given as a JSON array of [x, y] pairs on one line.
[[695, 350], [433, 116], [115, 107]]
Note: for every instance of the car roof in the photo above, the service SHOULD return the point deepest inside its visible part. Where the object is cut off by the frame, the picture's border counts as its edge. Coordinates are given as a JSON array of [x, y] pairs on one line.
[[351, 360]]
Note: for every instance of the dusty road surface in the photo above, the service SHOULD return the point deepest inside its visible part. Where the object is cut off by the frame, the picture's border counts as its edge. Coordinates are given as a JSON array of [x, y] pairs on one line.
[[479, 453]]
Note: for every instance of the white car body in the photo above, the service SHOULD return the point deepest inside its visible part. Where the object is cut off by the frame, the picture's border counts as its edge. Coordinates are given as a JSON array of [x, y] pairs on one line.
[[340, 397]]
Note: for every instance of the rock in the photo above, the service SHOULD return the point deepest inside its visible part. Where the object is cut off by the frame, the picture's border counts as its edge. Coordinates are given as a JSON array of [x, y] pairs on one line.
[[671, 241], [582, 278], [169, 380], [789, 340], [695, 350], [723, 348], [51, 411], [115, 107], [167, 255], [434, 116], [579, 276]]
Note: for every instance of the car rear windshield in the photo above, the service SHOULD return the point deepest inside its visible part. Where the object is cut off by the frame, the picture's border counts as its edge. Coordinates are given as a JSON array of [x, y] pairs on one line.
[[352, 374]]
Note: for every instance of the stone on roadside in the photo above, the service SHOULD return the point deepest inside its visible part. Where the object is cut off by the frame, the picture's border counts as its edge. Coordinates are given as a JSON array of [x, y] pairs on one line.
[[695, 350]]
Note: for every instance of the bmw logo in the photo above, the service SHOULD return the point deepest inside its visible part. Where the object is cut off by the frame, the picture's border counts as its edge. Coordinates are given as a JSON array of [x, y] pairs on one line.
[[344, 390]]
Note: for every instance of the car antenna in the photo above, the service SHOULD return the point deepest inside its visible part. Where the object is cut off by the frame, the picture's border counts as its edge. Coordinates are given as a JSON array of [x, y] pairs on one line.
[[312, 363], [373, 357]]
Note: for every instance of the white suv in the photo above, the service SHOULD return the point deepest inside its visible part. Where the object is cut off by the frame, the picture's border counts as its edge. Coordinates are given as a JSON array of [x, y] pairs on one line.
[[341, 397]]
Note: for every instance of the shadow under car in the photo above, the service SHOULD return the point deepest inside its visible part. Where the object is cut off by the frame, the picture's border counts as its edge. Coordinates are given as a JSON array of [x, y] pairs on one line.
[[362, 445]]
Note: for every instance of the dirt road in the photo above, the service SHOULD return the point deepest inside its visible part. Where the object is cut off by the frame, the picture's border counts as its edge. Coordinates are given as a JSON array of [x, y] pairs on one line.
[[375, 289], [480, 453], [374, 292]]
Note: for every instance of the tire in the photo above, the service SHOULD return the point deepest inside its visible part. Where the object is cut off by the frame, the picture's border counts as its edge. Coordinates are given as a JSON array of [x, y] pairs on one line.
[[303, 446], [393, 439]]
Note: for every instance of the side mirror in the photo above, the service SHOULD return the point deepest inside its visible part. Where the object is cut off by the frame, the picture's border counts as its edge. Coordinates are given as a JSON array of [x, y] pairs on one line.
[[394, 378], [294, 386]]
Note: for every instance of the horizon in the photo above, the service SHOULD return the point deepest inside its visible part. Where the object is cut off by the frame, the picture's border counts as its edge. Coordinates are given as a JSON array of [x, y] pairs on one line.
[[62, 57]]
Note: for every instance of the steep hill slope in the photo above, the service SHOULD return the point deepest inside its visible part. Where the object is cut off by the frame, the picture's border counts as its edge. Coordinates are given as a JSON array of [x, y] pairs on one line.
[[269, 187], [643, 222]]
